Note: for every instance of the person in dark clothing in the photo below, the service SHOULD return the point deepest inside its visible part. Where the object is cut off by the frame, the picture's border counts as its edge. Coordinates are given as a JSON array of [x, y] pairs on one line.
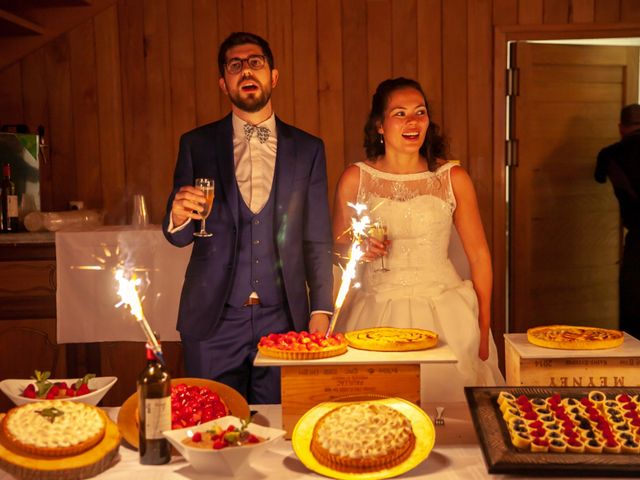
[[620, 162]]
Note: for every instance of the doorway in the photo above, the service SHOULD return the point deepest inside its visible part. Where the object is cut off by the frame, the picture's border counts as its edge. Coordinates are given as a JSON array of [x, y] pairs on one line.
[[564, 229], [502, 301]]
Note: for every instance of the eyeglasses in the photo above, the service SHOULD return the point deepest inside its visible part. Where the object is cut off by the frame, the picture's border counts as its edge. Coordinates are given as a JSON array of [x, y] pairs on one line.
[[255, 62]]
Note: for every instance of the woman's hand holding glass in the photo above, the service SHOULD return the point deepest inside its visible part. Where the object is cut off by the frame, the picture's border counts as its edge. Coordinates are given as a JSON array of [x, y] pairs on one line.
[[377, 244]]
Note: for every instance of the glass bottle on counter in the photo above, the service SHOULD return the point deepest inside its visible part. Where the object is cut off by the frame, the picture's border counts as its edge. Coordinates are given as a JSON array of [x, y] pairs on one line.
[[9, 202], [154, 411]]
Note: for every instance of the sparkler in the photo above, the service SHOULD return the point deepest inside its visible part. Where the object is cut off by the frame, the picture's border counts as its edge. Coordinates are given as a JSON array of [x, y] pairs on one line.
[[359, 225], [127, 289]]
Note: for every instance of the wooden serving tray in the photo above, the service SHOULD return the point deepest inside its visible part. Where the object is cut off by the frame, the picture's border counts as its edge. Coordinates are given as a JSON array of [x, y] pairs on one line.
[[85, 465], [502, 457]]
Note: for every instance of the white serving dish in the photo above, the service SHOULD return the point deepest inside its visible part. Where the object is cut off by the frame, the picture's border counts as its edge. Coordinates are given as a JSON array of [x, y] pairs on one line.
[[13, 389], [229, 461]]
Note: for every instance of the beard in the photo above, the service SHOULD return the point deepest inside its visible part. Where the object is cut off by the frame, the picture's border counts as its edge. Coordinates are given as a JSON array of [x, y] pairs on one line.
[[253, 101]]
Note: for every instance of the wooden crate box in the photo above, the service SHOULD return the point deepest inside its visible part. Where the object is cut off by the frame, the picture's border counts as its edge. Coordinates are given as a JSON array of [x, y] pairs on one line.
[[531, 365]]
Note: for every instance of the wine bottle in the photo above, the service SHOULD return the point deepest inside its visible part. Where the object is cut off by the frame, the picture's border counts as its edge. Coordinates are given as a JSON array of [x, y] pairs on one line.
[[154, 411], [9, 202]]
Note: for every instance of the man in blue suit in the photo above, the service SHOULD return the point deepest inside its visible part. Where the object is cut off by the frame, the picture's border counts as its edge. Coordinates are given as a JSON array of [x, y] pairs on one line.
[[267, 268]]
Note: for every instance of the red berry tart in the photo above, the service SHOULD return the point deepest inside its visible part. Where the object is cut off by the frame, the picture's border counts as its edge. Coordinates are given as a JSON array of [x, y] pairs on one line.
[[302, 345]]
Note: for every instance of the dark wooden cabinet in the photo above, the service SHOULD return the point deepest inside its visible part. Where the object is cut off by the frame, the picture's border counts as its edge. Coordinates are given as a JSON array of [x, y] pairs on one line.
[[28, 308]]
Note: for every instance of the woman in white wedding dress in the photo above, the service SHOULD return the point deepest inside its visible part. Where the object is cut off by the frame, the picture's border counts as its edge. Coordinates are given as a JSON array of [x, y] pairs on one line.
[[409, 187]]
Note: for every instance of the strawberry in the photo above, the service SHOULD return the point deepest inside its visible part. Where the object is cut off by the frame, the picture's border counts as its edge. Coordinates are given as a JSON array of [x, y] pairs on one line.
[[253, 439], [197, 437], [218, 444], [30, 391], [83, 390]]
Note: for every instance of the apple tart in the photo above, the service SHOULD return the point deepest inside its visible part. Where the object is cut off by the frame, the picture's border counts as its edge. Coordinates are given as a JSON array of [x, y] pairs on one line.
[[569, 337], [391, 339]]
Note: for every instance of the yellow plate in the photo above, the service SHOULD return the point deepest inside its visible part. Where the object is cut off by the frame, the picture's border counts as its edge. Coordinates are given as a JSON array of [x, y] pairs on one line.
[[127, 415], [420, 422]]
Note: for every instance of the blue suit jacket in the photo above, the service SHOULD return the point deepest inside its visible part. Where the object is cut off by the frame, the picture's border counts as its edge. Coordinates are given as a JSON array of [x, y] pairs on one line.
[[302, 227]]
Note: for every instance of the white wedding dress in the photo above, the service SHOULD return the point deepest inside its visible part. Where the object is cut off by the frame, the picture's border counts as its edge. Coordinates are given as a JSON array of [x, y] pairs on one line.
[[421, 289]]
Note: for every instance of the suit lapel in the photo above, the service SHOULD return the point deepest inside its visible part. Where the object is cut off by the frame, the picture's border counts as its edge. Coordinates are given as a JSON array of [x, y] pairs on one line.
[[285, 171], [224, 144]]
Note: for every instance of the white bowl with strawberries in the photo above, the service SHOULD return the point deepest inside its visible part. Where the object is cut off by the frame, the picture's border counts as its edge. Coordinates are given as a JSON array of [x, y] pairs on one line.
[[224, 447], [88, 389]]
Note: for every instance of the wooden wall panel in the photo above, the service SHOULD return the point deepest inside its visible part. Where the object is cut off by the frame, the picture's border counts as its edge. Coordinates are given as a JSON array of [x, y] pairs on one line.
[[454, 70], [134, 101], [379, 43], [606, 11], [163, 139], [480, 149], [229, 20], [36, 112], [84, 111], [205, 35], [530, 12], [429, 33], [505, 12], [181, 64], [305, 65], [11, 95], [582, 11], [62, 158], [330, 89], [630, 10], [557, 11], [404, 35], [280, 38], [255, 14], [356, 103], [111, 148]]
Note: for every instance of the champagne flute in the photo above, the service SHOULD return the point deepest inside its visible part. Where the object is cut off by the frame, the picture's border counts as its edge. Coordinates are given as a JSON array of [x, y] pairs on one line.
[[208, 188], [378, 231]]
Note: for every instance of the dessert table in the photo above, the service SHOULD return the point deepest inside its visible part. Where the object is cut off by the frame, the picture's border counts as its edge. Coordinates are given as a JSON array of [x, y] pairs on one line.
[[456, 455]]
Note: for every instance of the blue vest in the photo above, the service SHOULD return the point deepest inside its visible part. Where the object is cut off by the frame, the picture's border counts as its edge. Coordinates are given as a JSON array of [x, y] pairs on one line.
[[258, 267]]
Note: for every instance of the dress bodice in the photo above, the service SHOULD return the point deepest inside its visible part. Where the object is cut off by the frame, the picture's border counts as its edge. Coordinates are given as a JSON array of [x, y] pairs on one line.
[[418, 212]]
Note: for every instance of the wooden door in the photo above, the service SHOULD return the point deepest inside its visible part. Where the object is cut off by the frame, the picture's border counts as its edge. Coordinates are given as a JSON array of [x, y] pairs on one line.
[[565, 229]]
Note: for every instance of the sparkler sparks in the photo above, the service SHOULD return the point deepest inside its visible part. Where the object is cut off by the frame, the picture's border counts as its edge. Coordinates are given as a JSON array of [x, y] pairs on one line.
[[127, 290], [359, 226]]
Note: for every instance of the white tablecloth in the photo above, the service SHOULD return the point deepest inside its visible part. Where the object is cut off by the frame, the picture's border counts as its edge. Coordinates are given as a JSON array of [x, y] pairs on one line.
[[87, 292]]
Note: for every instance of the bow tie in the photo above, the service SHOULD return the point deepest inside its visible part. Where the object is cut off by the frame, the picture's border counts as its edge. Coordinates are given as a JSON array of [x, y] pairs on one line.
[[262, 132]]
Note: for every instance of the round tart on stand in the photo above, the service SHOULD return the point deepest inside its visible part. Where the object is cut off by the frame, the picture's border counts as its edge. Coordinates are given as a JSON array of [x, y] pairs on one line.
[[302, 345], [570, 337], [391, 339]]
